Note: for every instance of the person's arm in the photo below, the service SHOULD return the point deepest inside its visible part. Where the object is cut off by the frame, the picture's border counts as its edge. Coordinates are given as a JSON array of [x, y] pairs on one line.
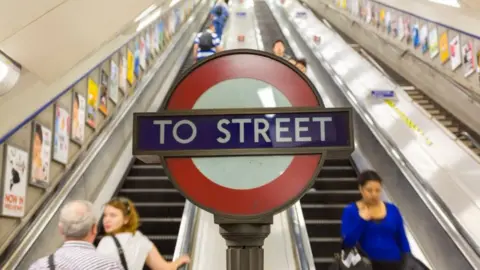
[[352, 226], [156, 262], [217, 43], [402, 239]]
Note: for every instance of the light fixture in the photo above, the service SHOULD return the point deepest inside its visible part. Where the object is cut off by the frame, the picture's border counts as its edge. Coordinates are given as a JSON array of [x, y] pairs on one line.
[[9, 73]]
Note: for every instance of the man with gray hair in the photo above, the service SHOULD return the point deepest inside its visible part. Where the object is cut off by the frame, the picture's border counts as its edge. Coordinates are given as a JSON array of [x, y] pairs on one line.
[[78, 227]]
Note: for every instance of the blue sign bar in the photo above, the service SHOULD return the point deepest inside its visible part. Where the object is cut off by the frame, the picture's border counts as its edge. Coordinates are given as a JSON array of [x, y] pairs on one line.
[[168, 133], [383, 93]]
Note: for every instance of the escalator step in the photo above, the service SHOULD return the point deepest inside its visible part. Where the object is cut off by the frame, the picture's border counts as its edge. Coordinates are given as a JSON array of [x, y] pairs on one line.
[[152, 195], [143, 182], [160, 209], [154, 226]]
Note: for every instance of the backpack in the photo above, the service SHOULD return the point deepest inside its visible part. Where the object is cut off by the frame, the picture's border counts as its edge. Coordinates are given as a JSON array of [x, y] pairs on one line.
[[206, 41]]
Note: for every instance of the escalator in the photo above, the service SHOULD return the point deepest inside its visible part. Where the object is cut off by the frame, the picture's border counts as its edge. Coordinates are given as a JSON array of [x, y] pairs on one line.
[[322, 206], [159, 204], [336, 184]]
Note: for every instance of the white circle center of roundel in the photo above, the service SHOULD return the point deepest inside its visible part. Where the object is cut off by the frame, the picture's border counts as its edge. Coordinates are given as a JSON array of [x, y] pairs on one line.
[[246, 172]]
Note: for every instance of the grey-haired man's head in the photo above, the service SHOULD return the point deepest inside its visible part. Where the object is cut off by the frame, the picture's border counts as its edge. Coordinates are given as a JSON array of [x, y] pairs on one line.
[[78, 221]]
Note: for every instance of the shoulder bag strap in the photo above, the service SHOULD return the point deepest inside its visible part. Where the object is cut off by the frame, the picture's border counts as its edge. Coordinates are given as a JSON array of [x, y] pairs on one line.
[[51, 262], [120, 252]]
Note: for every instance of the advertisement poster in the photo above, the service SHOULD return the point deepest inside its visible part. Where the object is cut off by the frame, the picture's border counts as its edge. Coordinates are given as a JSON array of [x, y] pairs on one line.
[[103, 92], [152, 37], [130, 68], [415, 36], [61, 139], [388, 22], [148, 53], [468, 59], [41, 154], [78, 118], [160, 31], [478, 59], [92, 103], [368, 12], [408, 29], [113, 85], [400, 28], [136, 65], [143, 53], [455, 54], [443, 48], [424, 38], [123, 74], [433, 43], [155, 41], [15, 174]]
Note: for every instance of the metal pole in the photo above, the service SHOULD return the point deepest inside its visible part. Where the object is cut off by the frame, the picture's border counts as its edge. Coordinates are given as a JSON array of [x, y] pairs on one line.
[[245, 240]]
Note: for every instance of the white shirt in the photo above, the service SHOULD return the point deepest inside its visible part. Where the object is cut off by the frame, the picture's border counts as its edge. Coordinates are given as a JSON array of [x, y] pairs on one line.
[[135, 247]]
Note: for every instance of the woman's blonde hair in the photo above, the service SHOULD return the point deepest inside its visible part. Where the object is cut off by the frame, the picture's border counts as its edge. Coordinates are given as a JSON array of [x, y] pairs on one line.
[[129, 212]]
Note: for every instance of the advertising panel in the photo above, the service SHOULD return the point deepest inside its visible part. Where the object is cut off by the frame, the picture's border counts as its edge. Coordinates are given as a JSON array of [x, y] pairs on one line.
[[113, 85], [103, 92], [92, 103], [444, 48], [433, 43], [61, 138], [15, 175], [468, 59], [41, 155], [455, 54], [78, 117]]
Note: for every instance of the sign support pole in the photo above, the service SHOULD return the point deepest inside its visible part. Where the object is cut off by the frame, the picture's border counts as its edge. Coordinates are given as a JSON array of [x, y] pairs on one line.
[[245, 240]]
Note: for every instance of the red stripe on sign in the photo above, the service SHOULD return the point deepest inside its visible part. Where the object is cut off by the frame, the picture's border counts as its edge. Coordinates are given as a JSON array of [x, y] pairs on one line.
[[251, 202]]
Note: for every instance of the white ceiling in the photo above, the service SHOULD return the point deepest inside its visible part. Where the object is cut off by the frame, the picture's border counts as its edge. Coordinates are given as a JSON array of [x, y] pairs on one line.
[[48, 37]]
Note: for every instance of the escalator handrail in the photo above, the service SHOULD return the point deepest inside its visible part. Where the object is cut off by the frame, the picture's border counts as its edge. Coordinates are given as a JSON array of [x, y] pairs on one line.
[[434, 203], [48, 212], [299, 234]]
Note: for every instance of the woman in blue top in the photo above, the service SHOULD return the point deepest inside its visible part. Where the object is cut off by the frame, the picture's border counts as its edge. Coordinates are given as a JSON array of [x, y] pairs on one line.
[[375, 225]]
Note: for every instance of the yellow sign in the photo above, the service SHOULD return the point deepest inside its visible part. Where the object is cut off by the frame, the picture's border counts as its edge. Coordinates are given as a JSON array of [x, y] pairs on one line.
[[92, 102], [382, 15], [443, 46], [130, 70], [408, 121]]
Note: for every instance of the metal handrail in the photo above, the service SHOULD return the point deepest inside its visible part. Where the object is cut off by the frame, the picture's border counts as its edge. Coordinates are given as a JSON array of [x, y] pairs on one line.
[[435, 204], [54, 204], [299, 234]]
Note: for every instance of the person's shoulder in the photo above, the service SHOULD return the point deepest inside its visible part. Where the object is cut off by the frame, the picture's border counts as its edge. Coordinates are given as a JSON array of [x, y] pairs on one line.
[[392, 207], [142, 239], [351, 207]]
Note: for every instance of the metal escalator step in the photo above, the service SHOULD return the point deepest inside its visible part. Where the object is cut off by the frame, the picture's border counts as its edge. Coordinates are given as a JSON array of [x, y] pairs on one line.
[[336, 197], [331, 183], [145, 170], [323, 211], [160, 209], [153, 226], [337, 171], [147, 182], [152, 195], [323, 228]]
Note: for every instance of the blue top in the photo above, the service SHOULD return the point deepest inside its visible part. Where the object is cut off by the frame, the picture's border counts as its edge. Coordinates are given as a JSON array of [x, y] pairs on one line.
[[224, 8], [216, 42], [382, 240]]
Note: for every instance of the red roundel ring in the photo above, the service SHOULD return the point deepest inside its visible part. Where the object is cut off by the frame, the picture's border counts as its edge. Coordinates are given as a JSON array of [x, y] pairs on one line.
[[271, 197]]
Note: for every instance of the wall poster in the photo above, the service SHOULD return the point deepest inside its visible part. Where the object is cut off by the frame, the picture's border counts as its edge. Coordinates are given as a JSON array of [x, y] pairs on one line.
[[433, 43], [468, 59], [61, 138], [78, 118], [443, 48], [92, 103], [123, 71], [424, 38], [113, 85], [41, 154], [142, 53], [15, 178], [415, 36], [400, 28], [130, 68], [455, 54], [103, 92]]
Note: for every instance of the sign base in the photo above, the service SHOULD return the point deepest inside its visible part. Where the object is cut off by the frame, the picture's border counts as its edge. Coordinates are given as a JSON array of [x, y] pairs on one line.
[[245, 240]]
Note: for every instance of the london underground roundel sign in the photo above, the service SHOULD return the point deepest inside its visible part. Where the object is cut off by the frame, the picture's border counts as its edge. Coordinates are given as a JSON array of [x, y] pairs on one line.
[[243, 134]]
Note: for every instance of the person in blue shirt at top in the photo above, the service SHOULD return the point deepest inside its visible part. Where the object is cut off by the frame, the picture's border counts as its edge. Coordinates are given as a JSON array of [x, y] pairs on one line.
[[219, 15], [206, 43], [375, 226]]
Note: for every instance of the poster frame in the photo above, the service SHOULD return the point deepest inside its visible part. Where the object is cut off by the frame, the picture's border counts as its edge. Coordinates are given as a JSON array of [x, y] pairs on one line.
[[2, 177], [54, 132], [78, 142], [32, 138]]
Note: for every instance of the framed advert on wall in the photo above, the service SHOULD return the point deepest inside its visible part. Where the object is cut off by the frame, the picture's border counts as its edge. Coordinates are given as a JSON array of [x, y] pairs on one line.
[[41, 149], [15, 178], [79, 104], [61, 136]]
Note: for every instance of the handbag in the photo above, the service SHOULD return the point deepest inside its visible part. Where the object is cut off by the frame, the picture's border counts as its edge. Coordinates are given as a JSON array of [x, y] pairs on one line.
[[350, 259], [121, 254]]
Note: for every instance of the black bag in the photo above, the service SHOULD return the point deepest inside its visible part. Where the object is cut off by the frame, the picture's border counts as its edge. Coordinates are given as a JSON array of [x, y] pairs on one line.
[[120, 252], [51, 262], [206, 41], [350, 259]]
